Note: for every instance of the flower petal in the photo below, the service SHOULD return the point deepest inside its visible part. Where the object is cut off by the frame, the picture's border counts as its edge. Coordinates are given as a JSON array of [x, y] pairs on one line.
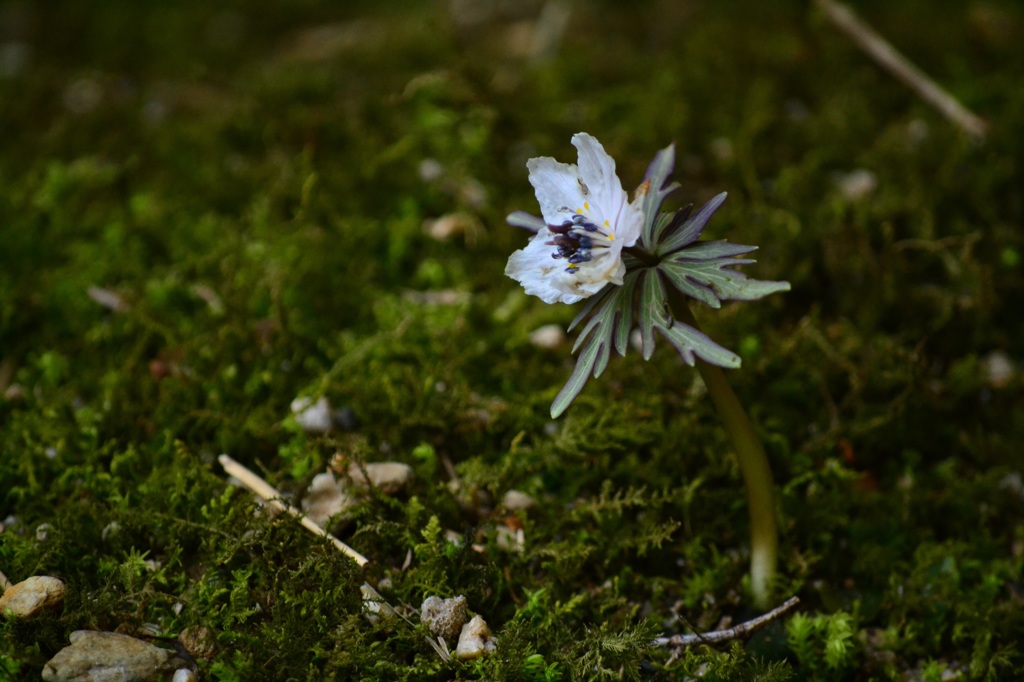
[[545, 277], [598, 172], [611, 203], [558, 186]]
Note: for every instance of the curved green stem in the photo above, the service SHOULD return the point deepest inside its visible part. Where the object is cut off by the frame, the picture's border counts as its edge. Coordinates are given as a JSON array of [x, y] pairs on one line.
[[757, 476]]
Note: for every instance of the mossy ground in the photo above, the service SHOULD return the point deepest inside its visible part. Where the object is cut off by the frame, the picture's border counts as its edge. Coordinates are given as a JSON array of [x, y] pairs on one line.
[[252, 190]]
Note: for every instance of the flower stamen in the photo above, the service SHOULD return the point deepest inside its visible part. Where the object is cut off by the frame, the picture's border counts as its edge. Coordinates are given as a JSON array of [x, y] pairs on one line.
[[575, 240]]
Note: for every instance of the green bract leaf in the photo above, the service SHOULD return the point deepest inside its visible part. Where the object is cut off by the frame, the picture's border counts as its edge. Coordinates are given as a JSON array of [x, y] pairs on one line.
[[690, 342], [607, 328], [690, 231], [654, 189], [713, 280]]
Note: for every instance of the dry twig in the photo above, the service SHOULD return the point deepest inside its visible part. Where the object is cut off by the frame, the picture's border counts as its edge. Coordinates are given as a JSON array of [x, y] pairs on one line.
[[269, 494], [744, 629], [879, 49]]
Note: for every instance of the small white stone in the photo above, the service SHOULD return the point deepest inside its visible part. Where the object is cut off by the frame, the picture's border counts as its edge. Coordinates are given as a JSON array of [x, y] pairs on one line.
[[312, 417], [510, 540], [857, 184], [550, 336], [999, 369], [1012, 482], [326, 497], [447, 226], [431, 170], [444, 617], [183, 675], [636, 341], [515, 500], [388, 477], [475, 640], [107, 298], [43, 532]]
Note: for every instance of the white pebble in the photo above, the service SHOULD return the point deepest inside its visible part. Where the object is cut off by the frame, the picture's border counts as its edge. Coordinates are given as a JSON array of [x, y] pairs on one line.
[[312, 417], [999, 368], [550, 336], [857, 184], [444, 617], [389, 477], [447, 226], [475, 640], [326, 497], [515, 500], [510, 540]]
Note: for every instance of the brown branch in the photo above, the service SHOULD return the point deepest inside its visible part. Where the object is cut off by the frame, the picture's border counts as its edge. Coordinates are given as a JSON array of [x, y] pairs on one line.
[[742, 630], [889, 58]]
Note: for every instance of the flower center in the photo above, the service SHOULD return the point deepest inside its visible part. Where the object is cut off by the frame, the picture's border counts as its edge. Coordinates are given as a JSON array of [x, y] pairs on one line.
[[580, 241]]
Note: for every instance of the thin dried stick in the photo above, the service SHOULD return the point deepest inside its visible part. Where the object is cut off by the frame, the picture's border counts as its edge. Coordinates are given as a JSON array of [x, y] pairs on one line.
[[742, 630], [899, 66], [269, 494]]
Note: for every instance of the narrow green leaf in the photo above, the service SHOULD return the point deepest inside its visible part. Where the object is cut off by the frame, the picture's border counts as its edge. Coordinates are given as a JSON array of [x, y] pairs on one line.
[[668, 221], [752, 289], [715, 249], [652, 305], [579, 377], [656, 190], [677, 276], [696, 278], [624, 320], [593, 324], [590, 305], [690, 342], [690, 231]]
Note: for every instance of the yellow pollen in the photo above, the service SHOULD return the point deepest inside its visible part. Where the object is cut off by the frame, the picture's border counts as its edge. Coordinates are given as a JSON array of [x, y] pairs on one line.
[[611, 237], [579, 210], [586, 205], [606, 224]]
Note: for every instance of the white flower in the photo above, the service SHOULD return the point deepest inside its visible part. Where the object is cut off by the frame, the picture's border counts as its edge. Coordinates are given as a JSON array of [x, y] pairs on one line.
[[588, 220]]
